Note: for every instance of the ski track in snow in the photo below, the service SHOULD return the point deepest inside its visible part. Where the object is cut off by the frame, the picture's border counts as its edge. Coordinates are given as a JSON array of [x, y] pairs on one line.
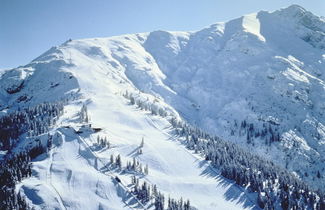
[[49, 177], [111, 174]]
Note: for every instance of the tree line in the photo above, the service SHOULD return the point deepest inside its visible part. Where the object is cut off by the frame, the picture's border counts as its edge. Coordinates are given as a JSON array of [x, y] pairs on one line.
[[13, 169], [146, 105], [276, 187], [269, 132], [33, 121], [149, 193], [15, 166]]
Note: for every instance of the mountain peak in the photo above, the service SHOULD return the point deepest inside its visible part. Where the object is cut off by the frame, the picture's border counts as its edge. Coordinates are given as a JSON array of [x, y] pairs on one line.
[[293, 11]]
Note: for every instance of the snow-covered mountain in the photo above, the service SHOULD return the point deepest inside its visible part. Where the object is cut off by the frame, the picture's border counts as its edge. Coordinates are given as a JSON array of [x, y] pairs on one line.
[[257, 81]]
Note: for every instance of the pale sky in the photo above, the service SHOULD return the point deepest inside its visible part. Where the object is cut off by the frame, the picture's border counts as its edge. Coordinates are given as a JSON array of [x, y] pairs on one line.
[[29, 28]]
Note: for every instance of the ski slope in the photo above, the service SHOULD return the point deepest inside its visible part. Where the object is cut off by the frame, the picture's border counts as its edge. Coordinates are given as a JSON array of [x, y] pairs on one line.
[[72, 177], [266, 67]]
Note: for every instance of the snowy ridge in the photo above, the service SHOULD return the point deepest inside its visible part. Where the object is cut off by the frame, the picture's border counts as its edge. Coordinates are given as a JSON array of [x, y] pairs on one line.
[[257, 81], [252, 25]]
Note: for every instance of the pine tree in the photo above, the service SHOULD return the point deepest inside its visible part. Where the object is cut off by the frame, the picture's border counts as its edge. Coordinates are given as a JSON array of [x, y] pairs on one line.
[[146, 170], [142, 142], [111, 159], [159, 202], [118, 161]]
